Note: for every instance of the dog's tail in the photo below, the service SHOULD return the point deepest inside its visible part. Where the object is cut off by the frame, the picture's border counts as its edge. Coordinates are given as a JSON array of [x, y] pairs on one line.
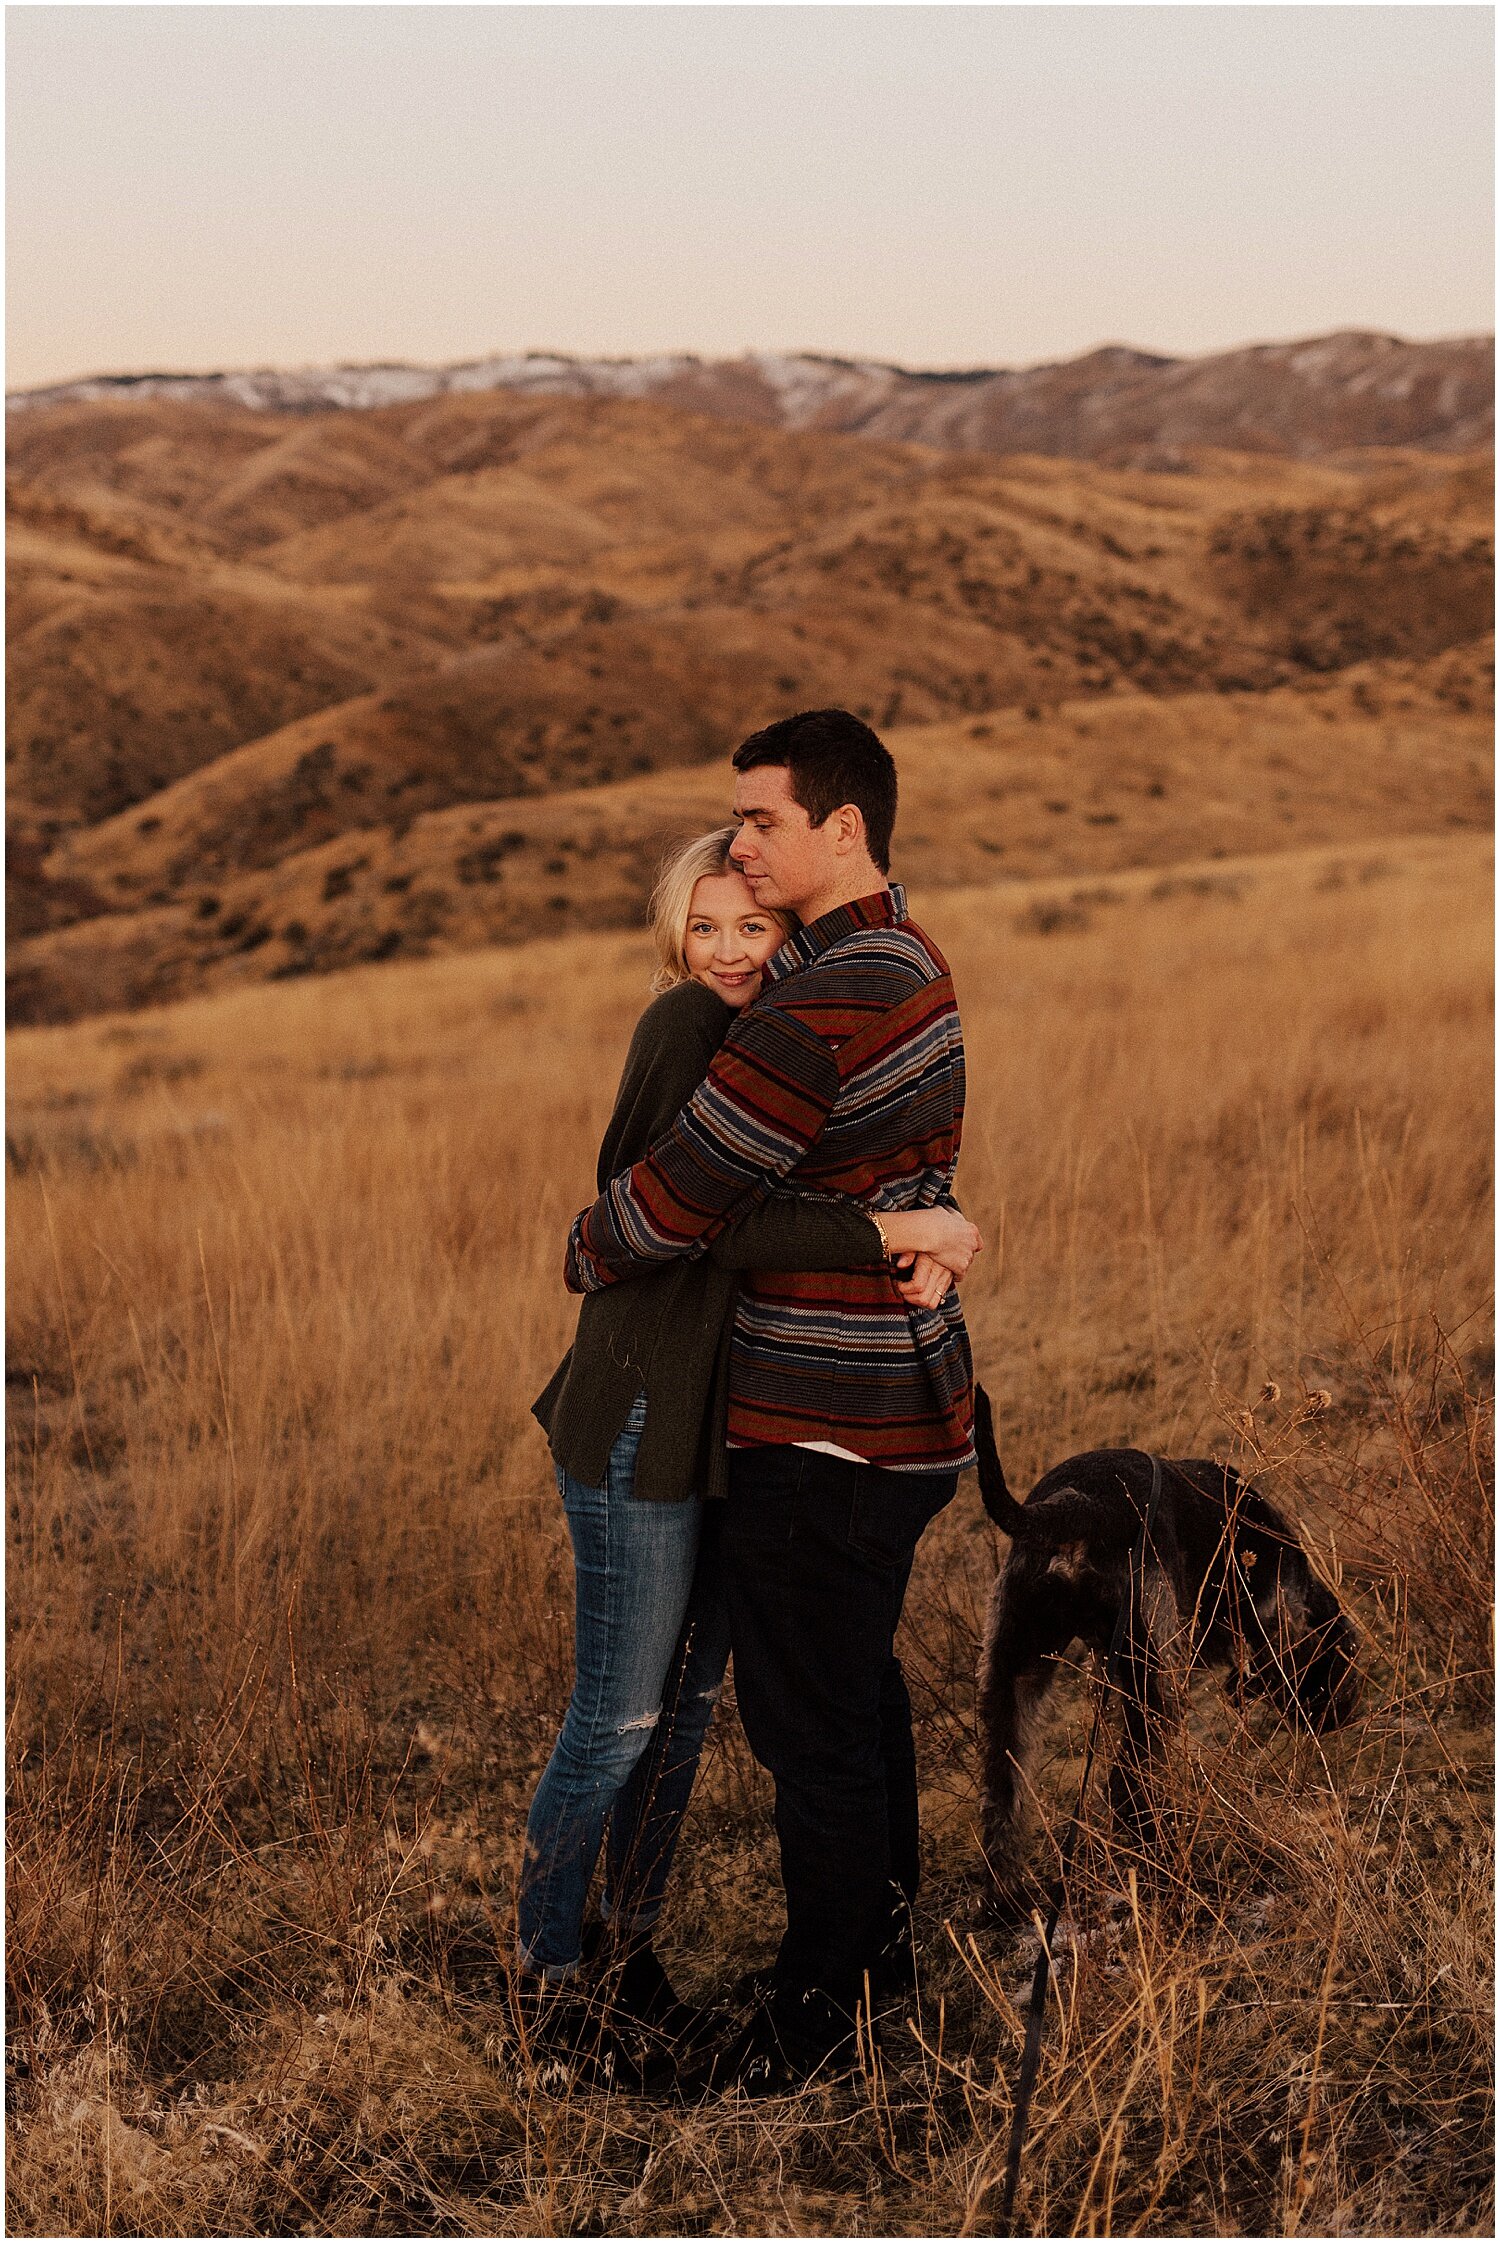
[[1065, 1513], [1007, 1513]]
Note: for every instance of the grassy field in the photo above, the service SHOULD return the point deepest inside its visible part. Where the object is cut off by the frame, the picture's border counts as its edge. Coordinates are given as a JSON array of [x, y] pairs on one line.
[[290, 1596]]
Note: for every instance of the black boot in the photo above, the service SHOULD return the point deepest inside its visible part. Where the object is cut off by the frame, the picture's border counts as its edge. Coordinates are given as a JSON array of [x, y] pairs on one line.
[[791, 2040], [644, 1993], [564, 2034], [643, 2008], [893, 1972]]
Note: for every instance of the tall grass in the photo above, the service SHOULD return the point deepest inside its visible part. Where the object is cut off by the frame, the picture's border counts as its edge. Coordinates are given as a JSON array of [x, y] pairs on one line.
[[290, 1596]]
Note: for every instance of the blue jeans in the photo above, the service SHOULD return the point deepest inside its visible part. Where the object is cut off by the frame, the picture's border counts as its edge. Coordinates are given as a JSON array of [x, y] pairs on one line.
[[652, 1643]]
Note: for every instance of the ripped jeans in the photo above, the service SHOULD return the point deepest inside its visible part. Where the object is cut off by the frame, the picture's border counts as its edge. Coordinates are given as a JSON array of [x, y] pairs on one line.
[[652, 1643]]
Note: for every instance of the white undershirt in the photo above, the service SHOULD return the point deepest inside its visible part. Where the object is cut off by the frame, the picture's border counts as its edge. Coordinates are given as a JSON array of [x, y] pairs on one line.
[[819, 1448]]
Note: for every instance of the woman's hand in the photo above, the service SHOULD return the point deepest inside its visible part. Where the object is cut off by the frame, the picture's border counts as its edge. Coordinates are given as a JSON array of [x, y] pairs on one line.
[[926, 1284], [934, 1234]]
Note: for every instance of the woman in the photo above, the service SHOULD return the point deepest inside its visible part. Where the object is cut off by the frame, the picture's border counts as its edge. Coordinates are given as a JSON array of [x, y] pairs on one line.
[[635, 1416]]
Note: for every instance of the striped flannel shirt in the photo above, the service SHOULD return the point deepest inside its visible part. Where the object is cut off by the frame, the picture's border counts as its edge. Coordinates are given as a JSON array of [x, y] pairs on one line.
[[845, 1075]]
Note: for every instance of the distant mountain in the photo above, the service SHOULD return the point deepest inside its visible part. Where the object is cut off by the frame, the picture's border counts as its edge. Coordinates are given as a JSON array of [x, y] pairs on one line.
[[1303, 400]]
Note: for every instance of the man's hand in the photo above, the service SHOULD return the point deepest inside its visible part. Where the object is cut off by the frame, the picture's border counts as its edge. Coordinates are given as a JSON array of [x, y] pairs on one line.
[[927, 1283]]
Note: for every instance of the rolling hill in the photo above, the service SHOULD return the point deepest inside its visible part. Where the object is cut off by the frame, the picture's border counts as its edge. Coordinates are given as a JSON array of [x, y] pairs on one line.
[[289, 689]]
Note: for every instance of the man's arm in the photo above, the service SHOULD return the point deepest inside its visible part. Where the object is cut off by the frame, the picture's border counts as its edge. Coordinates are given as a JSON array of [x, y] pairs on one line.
[[762, 1105]]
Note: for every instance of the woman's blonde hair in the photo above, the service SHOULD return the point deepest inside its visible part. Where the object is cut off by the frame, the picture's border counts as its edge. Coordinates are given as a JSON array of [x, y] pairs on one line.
[[707, 858]]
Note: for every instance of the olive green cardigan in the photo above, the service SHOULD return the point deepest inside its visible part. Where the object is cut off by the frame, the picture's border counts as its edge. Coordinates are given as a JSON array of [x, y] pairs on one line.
[[667, 1333]]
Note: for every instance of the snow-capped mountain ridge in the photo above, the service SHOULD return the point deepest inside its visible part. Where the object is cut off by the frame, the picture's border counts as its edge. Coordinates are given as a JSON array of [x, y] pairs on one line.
[[1321, 394]]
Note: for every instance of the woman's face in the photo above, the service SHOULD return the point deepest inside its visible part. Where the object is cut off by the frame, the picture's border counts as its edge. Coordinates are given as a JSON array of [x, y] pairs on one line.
[[728, 939]]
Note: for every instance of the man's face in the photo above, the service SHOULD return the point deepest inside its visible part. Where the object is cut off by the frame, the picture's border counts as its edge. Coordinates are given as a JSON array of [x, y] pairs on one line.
[[787, 862]]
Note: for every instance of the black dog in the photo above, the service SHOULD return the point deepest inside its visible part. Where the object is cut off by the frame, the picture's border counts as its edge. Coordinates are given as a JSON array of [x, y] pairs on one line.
[[1223, 1582]]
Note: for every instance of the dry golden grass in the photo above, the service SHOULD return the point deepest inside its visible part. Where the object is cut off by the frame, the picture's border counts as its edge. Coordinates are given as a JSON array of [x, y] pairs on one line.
[[289, 1591]]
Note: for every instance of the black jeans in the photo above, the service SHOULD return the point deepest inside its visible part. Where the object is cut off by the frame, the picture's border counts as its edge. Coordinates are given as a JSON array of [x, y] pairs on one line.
[[817, 1555]]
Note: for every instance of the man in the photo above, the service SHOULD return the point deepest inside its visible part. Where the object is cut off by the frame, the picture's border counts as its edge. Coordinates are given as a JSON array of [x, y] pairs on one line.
[[851, 1411]]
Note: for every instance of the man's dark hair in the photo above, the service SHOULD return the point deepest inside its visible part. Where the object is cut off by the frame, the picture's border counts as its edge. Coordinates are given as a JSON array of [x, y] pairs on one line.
[[832, 758]]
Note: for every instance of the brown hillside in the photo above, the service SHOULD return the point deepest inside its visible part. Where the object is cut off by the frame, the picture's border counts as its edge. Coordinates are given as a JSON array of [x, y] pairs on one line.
[[239, 639], [117, 694], [1095, 790]]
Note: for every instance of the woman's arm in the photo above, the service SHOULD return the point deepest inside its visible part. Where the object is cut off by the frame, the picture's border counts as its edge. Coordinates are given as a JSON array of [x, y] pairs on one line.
[[943, 1234], [800, 1230], [824, 1230]]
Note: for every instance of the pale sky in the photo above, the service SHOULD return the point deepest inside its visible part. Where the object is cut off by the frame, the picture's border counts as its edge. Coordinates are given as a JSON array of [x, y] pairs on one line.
[[202, 187]]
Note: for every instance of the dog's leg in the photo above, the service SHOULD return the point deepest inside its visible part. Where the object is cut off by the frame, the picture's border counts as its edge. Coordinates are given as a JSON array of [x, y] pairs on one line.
[[1151, 1689], [1017, 1667]]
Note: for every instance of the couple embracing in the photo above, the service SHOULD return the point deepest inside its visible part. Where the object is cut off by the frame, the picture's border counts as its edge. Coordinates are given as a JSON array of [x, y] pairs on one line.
[[768, 1400]]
